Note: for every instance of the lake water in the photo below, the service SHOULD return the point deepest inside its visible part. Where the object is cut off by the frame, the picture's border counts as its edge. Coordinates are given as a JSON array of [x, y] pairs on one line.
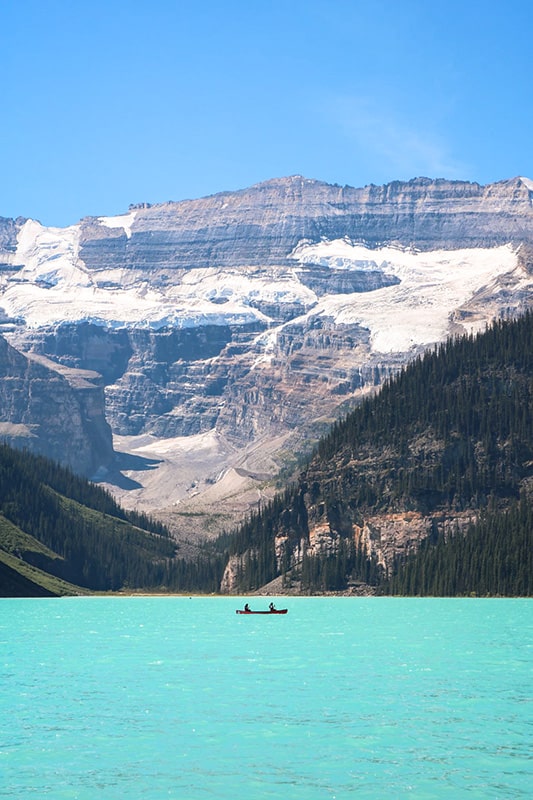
[[151, 698]]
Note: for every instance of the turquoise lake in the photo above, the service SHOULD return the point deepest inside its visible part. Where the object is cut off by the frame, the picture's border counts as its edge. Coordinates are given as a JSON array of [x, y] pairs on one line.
[[153, 698]]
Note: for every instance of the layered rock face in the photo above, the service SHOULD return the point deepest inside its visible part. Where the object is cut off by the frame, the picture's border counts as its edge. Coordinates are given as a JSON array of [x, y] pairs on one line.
[[189, 381], [255, 314], [260, 226], [57, 413]]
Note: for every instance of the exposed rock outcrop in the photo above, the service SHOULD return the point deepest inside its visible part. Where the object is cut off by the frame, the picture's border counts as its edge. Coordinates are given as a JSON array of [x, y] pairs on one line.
[[53, 411], [261, 225], [257, 313], [389, 536]]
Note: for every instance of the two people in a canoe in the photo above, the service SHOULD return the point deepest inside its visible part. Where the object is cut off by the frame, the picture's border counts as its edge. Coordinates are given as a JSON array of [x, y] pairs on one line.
[[248, 610]]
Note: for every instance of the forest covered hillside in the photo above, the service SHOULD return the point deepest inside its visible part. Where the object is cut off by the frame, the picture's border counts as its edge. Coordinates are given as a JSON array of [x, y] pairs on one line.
[[424, 489], [61, 534], [439, 463]]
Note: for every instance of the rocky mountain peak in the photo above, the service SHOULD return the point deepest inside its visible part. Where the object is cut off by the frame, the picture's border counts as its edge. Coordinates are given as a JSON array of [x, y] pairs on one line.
[[250, 317]]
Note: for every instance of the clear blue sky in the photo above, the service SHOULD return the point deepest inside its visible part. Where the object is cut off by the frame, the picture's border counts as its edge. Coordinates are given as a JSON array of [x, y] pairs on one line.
[[110, 103]]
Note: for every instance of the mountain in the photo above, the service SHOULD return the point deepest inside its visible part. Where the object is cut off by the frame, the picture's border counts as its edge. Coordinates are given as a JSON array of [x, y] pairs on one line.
[[227, 333], [48, 408], [60, 534], [425, 488]]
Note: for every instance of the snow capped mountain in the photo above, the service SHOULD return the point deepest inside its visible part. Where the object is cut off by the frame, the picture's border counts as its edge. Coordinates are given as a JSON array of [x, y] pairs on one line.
[[54, 287], [247, 317]]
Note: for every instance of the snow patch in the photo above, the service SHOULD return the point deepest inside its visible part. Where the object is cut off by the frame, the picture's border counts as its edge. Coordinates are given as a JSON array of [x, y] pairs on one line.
[[416, 311], [338, 254], [124, 221], [50, 255], [54, 286], [527, 182]]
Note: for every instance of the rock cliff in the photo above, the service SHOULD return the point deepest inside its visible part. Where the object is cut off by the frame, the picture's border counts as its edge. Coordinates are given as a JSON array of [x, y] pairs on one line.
[[54, 411], [253, 315], [261, 225]]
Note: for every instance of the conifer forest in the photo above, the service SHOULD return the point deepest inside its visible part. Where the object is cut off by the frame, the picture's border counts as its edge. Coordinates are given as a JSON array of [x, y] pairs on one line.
[[452, 432]]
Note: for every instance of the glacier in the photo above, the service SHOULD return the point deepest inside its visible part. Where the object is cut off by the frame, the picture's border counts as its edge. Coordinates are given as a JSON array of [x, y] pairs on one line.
[[55, 287], [227, 332]]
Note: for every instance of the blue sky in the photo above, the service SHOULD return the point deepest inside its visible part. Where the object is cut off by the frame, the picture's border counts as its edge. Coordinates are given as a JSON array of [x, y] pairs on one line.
[[110, 103]]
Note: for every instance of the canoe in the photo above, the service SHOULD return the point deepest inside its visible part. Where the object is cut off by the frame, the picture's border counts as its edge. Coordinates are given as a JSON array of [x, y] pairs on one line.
[[276, 611]]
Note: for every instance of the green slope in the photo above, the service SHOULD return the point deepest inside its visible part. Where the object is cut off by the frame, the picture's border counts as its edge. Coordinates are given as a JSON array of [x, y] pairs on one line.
[[19, 577], [56, 524], [79, 547]]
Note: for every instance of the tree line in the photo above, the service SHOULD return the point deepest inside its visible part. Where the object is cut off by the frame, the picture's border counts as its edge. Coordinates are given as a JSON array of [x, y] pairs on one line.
[[453, 431]]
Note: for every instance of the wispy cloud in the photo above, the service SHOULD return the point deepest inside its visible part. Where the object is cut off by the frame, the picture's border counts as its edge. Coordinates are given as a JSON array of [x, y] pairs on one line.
[[403, 148]]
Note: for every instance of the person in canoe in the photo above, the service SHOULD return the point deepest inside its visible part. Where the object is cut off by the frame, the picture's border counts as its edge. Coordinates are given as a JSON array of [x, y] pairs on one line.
[[272, 607], [247, 608]]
